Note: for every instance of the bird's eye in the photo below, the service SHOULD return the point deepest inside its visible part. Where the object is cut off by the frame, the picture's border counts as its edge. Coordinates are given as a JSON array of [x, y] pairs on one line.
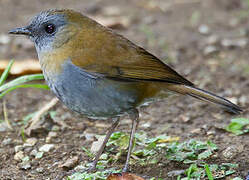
[[50, 28]]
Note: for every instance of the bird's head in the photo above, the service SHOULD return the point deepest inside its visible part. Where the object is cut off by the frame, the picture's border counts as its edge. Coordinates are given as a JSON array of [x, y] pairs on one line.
[[53, 28]]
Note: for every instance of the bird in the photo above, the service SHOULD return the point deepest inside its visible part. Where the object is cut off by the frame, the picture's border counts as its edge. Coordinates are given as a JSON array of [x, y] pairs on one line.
[[102, 75]]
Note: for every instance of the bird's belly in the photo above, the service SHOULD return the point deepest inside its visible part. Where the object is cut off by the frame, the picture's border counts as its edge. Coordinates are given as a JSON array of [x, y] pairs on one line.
[[94, 97]]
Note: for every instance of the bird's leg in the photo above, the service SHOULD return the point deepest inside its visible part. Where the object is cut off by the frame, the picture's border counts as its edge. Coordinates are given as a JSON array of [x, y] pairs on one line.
[[100, 151], [134, 115]]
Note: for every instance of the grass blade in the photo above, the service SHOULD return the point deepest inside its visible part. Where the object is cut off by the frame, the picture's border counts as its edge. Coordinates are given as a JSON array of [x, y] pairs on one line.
[[40, 86], [6, 72], [20, 80], [190, 171], [208, 172]]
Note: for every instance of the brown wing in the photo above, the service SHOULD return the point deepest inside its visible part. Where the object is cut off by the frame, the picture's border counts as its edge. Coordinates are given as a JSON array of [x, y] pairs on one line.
[[113, 56]]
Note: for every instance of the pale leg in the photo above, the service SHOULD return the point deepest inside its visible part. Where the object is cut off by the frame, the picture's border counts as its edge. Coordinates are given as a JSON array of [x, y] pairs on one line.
[[109, 133], [134, 115]]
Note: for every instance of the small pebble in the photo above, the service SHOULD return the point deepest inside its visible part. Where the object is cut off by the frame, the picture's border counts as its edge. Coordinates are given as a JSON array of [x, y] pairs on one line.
[[146, 125], [209, 50], [18, 148], [70, 163], [196, 131], [204, 29], [175, 173], [39, 170], [243, 100], [4, 39], [7, 141], [88, 136], [209, 133], [39, 155], [46, 147], [26, 158], [184, 118], [52, 134], [230, 43], [19, 156], [30, 142], [33, 152], [212, 39], [97, 144], [25, 165], [28, 149]]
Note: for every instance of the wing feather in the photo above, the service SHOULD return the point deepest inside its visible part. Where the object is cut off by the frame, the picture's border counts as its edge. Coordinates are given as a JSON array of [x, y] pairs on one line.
[[115, 57]]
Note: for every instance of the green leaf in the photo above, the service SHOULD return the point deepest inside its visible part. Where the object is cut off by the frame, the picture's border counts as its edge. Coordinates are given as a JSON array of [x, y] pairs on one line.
[[205, 154], [243, 121], [236, 126], [88, 152], [208, 172], [99, 175], [211, 145], [5, 73], [21, 80], [230, 165]]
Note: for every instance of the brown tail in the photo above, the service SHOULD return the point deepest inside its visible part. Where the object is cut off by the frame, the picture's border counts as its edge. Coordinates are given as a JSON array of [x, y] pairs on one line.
[[205, 96]]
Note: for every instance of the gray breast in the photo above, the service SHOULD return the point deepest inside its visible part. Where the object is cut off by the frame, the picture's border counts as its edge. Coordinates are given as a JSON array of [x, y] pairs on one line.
[[90, 94]]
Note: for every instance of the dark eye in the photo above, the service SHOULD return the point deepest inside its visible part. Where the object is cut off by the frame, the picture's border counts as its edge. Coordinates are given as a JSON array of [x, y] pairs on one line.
[[50, 28]]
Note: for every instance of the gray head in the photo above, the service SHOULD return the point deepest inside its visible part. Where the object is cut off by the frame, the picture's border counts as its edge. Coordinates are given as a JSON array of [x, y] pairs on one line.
[[48, 27]]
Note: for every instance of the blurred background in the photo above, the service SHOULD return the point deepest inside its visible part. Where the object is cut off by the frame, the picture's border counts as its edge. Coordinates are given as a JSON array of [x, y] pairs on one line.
[[205, 41]]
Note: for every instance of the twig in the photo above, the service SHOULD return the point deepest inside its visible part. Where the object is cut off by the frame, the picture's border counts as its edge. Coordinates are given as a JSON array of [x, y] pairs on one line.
[[5, 114], [36, 118]]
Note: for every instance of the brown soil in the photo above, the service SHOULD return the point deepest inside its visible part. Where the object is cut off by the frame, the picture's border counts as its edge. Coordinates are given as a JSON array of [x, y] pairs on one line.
[[173, 27]]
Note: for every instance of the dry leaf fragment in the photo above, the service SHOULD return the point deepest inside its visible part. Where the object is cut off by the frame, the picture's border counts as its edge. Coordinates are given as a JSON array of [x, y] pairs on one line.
[[70, 163]]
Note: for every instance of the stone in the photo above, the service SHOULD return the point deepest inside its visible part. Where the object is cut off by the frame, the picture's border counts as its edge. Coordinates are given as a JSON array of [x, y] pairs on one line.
[[7, 141], [208, 50], [204, 29], [30, 142], [97, 144], [25, 165], [18, 148], [46, 147], [19, 156], [70, 163]]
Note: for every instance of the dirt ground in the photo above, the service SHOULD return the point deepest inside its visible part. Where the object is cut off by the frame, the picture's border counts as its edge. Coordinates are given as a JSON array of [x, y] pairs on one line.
[[206, 41]]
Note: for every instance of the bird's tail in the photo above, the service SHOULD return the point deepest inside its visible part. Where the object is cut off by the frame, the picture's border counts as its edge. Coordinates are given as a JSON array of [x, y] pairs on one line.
[[205, 96]]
